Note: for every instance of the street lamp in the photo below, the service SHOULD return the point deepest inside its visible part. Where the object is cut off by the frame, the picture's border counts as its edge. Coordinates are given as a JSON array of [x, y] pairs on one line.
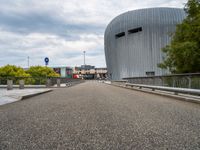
[[28, 60], [84, 56]]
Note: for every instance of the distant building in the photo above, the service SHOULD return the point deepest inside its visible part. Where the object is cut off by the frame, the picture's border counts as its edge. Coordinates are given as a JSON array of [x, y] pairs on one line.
[[87, 67], [101, 73], [83, 72], [90, 72], [66, 72]]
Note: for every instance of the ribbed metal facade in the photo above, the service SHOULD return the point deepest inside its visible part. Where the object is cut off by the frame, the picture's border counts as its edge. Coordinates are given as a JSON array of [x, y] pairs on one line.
[[133, 41]]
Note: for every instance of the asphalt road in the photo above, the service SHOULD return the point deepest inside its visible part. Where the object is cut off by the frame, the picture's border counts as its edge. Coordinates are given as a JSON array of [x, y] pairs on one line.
[[97, 116]]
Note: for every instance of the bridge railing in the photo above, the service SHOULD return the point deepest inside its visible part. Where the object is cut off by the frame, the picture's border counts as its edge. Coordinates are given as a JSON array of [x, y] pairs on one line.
[[169, 89], [190, 80]]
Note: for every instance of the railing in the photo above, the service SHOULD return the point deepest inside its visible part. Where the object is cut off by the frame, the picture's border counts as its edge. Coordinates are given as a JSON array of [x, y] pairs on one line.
[[191, 80], [32, 82], [169, 89]]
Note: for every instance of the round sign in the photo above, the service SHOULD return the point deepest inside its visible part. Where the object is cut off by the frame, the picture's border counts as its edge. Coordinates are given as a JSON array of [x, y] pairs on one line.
[[46, 59]]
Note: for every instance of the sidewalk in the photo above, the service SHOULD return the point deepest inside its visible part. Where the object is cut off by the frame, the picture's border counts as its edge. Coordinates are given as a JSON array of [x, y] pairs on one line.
[[17, 94]]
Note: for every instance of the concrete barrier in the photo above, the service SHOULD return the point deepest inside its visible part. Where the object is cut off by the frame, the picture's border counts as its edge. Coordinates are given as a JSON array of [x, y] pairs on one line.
[[21, 84], [48, 84], [58, 82], [9, 84]]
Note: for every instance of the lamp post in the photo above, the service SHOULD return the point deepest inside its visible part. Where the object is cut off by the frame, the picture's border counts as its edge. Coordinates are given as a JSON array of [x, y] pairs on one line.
[[84, 56], [28, 61]]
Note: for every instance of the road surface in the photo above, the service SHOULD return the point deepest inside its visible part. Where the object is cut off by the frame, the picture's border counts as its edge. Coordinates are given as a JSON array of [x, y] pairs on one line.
[[94, 115]]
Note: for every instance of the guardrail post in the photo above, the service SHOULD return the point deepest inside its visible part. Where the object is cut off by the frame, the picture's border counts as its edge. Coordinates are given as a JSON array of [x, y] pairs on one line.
[[21, 84], [48, 84], [9, 84], [58, 82], [173, 82]]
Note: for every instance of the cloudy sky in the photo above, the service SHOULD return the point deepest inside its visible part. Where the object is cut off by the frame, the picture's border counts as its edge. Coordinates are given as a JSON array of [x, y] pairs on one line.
[[61, 29]]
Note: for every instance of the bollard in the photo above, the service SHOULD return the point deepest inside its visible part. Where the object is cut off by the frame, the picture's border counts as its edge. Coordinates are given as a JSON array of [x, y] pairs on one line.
[[9, 84], [48, 84], [58, 82], [21, 84]]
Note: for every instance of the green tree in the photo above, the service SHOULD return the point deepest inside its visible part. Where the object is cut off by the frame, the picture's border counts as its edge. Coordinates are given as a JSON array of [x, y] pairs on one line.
[[183, 53], [12, 71], [39, 71], [34, 75]]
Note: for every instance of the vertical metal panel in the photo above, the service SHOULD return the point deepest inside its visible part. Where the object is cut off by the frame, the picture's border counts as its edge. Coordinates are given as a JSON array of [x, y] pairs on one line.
[[135, 54]]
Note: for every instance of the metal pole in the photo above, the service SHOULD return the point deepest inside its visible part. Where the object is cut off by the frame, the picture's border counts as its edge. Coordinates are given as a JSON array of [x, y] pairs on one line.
[[28, 61], [84, 57]]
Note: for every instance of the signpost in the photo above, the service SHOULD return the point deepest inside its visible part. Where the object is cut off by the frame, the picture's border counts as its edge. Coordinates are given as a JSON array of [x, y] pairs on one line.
[[46, 60]]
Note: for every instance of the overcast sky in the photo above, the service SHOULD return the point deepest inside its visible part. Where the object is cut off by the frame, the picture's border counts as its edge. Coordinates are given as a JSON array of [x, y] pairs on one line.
[[61, 29]]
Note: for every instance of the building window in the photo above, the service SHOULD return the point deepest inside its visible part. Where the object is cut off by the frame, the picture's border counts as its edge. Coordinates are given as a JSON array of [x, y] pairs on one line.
[[150, 73], [119, 35], [135, 30]]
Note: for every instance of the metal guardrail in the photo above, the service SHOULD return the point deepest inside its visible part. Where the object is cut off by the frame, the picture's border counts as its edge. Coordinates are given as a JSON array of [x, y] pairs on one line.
[[169, 89], [190, 80]]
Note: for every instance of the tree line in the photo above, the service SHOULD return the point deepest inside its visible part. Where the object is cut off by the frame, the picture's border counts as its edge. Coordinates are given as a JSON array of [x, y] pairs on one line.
[[34, 71], [33, 75]]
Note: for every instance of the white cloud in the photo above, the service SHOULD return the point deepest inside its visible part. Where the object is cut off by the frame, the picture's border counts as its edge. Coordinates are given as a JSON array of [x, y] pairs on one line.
[[61, 29], [38, 46]]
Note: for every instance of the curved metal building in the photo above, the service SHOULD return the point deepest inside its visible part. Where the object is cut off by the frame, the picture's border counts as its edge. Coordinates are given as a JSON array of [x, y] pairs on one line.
[[133, 41]]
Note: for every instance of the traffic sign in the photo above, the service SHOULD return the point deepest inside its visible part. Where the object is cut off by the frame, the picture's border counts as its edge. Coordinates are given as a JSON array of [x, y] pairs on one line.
[[46, 60]]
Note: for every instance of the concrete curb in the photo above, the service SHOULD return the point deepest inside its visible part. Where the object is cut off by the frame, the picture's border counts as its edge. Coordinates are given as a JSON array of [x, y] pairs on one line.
[[187, 98], [34, 94], [24, 97]]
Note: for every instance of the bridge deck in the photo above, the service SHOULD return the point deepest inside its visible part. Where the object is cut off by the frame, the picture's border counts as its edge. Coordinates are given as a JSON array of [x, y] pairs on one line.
[[97, 116]]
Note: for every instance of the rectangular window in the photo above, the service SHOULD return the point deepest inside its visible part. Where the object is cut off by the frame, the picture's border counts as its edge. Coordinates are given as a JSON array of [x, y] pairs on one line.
[[119, 35], [150, 73], [135, 30]]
